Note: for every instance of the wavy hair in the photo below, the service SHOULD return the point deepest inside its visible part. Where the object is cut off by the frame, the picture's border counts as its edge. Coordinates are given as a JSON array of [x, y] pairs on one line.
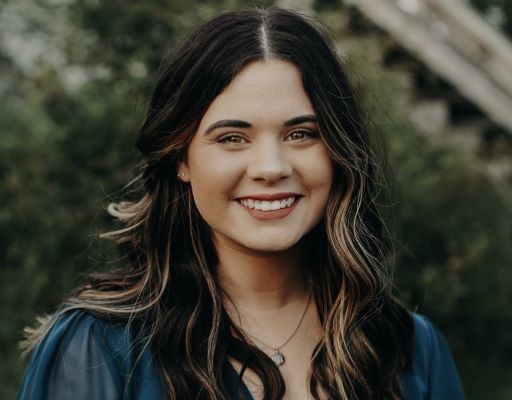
[[168, 282]]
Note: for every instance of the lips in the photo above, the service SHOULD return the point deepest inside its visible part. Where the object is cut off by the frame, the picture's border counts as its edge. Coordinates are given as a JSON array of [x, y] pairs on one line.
[[270, 214], [269, 197]]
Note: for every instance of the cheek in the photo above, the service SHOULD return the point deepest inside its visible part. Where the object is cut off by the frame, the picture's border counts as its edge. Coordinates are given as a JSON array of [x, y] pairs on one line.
[[321, 187], [318, 171], [213, 178]]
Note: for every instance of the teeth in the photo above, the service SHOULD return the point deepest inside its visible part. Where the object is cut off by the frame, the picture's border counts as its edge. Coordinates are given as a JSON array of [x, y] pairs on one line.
[[268, 205]]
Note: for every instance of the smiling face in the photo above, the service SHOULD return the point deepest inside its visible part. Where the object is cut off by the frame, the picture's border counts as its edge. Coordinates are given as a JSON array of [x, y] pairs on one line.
[[260, 173]]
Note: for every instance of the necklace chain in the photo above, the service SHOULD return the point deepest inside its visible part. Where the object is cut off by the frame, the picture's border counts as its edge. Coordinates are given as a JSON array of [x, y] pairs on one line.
[[278, 357]]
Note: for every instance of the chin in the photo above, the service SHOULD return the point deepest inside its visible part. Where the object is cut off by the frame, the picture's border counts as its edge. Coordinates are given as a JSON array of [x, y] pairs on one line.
[[269, 245]]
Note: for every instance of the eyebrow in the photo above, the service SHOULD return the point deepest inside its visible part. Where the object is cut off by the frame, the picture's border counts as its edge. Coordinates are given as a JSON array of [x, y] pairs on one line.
[[236, 123]]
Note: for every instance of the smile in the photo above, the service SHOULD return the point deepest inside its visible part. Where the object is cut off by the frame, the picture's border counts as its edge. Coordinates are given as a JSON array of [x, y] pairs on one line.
[[265, 205], [269, 209]]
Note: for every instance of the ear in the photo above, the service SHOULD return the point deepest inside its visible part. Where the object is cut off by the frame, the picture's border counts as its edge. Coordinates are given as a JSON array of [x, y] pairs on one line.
[[183, 171]]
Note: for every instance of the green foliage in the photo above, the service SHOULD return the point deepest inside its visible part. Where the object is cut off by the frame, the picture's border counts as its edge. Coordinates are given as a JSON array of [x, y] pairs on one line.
[[451, 228], [68, 130]]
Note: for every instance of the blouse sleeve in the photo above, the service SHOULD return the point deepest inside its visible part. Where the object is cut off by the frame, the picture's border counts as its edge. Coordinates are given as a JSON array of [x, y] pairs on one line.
[[434, 374], [79, 359]]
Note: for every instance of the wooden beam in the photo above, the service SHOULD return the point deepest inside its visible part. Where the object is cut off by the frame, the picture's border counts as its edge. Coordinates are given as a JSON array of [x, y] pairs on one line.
[[495, 56], [487, 84]]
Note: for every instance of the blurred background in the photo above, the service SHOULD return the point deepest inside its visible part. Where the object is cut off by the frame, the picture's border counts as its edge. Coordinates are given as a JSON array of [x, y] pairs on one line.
[[435, 77]]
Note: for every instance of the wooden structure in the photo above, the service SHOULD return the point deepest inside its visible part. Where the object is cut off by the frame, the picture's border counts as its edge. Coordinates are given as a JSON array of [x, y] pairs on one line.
[[456, 44]]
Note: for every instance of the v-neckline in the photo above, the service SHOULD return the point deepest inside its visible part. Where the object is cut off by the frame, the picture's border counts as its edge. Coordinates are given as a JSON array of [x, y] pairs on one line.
[[245, 389]]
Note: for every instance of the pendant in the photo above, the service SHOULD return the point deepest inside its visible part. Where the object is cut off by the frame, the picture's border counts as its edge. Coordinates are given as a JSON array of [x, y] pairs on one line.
[[277, 357]]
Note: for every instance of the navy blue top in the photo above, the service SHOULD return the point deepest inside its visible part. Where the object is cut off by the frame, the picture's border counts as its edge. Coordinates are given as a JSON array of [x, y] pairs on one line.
[[84, 357]]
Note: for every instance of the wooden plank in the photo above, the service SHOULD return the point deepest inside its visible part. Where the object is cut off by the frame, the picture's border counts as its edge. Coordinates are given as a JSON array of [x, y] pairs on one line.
[[468, 22], [495, 51], [467, 77]]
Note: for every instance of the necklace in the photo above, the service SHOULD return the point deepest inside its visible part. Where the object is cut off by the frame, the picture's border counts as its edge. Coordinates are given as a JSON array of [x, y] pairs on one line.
[[277, 356]]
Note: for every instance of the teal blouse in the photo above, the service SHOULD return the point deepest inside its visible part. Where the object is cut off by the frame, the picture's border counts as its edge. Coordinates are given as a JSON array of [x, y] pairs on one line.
[[84, 357]]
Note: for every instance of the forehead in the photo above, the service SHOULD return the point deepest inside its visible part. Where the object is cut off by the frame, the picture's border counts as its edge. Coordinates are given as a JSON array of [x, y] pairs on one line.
[[263, 92]]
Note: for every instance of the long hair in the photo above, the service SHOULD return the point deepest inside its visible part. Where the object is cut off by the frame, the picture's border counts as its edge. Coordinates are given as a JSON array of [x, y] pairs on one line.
[[168, 281]]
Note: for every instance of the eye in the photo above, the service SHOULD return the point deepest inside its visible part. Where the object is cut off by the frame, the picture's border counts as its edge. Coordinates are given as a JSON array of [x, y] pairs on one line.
[[231, 139], [302, 134]]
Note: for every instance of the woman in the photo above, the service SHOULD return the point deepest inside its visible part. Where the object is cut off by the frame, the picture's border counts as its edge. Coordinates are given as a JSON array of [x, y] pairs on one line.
[[253, 256]]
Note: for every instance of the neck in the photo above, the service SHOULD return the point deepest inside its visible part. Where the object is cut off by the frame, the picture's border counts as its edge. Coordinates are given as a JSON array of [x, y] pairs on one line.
[[267, 296], [261, 281]]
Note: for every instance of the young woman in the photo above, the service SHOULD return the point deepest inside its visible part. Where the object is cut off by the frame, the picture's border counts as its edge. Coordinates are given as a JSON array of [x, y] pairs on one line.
[[253, 254]]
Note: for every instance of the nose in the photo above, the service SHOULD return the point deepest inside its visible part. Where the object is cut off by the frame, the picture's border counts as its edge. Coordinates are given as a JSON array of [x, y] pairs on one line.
[[269, 162]]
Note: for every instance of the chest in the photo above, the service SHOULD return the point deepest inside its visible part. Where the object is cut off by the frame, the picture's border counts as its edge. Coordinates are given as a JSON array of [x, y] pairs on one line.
[[295, 372]]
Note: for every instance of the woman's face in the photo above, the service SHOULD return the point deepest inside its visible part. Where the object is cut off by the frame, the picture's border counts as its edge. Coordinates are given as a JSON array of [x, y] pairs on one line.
[[260, 174]]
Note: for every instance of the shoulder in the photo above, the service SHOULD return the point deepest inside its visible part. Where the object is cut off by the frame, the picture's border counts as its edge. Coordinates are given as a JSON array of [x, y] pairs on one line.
[[82, 336], [426, 338], [77, 327], [81, 352], [433, 373]]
